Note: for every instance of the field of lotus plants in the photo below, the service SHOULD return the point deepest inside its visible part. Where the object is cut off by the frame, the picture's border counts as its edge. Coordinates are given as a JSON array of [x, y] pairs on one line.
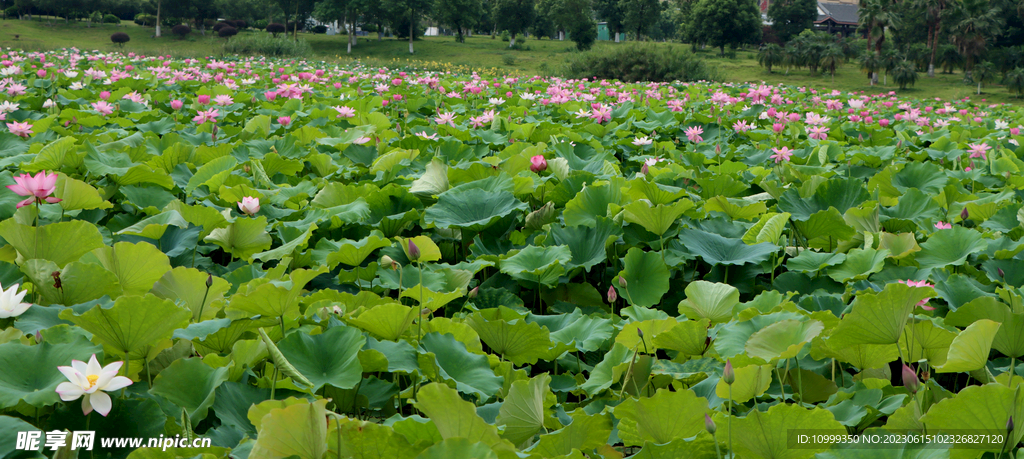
[[273, 259]]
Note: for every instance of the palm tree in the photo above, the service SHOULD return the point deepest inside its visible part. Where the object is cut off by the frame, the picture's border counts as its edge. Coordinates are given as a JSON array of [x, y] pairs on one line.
[[983, 73], [890, 59], [770, 55], [974, 22], [933, 10], [905, 73], [950, 58], [1014, 81], [870, 63], [877, 14], [831, 58]]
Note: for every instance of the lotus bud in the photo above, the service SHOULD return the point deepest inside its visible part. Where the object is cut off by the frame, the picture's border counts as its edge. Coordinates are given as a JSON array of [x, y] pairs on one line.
[[1001, 273], [640, 333], [39, 339], [622, 282], [728, 375], [425, 312], [910, 380], [414, 252], [388, 261], [964, 215], [473, 293], [1009, 423], [644, 169], [209, 280], [709, 424], [612, 295]]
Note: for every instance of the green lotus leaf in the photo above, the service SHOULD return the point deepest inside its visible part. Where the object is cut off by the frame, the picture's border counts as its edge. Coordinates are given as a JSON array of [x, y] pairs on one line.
[[950, 247], [471, 372], [709, 300], [213, 172], [878, 318], [703, 445], [190, 384], [586, 334], [924, 339], [859, 264], [588, 244], [76, 194], [387, 321], [688, 337], [926, 177], [656, 219], [243, 238], [825, 229], [272, 299], [841, 193], [656, 193], [10, 427], [782, 340], [527, 409], [294, 430], [61, 242], [348, 437], [666, 416], [732, 338], [434, 180], [540, 265], [767, 229], [458, 448], [330, 357], [155, 226], [584, 433], [646, 278], [287, 248], [472, 209], [751, 381], [765, 435], [914, 206], [719, 250], [604, 374], [80, 282], [188, 285], [510, 336], [137, 266], [54, 155], [969, 350], [982, 410], [428, 298], [899, 245], [810, 261], [428, 249], [591, 203], [457, 418], [863, 356], [352, 253], [132, 325], [33, 375]]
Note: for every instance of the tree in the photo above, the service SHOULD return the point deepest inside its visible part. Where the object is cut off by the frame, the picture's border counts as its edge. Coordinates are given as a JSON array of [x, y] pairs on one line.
[[298, 9], [583, 33], [375, 13], [345, 12], [905, 74], [1014, 81], [933, 12], [725, 22], [515, 16], [613, 13], [640, 15], [871, 63], [984, 72], [459, 15], [876, 15], [974, 22], [568, 16], [769, 56], [410, 9], [832, 58], [790, 17]]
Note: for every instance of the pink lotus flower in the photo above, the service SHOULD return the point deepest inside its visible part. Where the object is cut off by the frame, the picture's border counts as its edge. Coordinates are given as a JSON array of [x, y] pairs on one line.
[[978, 150], [781, 155], [223, 100], [104, 95], [693, 133], [538, 163], [361, 140], [600, 113], [818, 132], [446, 118], [38, 188], [177, 104], [270, 95], [943, 225], [284, 120], [345, 112], [93, 382], [923, 303], [249, 205], [20, 129], [103, 107], [203, 99], [206, 116]]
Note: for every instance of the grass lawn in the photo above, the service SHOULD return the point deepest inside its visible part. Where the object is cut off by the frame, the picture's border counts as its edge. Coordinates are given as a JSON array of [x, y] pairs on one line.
[[479, 52]]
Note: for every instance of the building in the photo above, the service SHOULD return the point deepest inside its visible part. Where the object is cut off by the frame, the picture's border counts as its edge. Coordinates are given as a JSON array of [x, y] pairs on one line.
[[840, 17], [604, 34]]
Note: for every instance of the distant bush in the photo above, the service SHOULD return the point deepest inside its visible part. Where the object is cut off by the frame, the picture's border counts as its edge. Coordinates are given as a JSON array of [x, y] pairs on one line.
[[111, 19], [508, 59], [275, 28], [181, 30], [319, 29], [143, 19], [11, 12], [584, 33], [260, 24], [639, 62], [120, 38], [227, 32], [220, 25], [504, 36], [260, 44]]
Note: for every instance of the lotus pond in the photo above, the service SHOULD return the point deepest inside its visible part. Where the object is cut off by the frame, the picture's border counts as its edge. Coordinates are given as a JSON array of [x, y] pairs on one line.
[[297, 259]]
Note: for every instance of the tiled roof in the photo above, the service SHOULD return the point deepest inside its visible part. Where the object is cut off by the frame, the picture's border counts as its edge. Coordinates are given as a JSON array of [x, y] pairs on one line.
[[841, 13]]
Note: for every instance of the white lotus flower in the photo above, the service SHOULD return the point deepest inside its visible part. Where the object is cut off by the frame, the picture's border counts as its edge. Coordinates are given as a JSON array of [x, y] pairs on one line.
[[527, 96], [496, 101], [91, 380], [70, 74], [640, 141], [8, 106], [10, 302], [249, 205], [77, 85]]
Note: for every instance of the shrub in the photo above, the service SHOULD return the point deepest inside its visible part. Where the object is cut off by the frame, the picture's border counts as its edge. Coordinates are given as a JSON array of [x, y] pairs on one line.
[[504, 36], [220, 25], [120, 38], [181, 30], [508, 59], [227, 32], [209, 23], [275, 28], [111, 19], [241, 24], [905, 74], [769, 56], [143, 19], [259, 24], [11, 12], [1014, 81], [319, 29], [639, 62], [260, 44], [584, 33]]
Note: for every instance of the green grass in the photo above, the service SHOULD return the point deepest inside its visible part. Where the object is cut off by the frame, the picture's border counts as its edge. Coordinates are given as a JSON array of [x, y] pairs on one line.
[[479, 52]]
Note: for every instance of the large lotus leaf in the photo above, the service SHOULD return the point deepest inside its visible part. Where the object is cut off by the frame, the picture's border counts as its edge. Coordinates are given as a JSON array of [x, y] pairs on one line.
[[782, 340], [588, 333], [511, 338], [629, 336], [969, 350], [591, 203], [584, 433], [983, 409], [80, 282], [688, 337], [137, 266], [210, 171], [457, 418], [767, 229], [458, 448], [541, 265], [188, 285], [387, 321], [862, 356], [751, 381], [666, 416], [825, 228], [434, 180], [735, 209], [428, 298], [243, 238], [473, 209], [926, 340], [646, 278], [527, 409], [190, 384], [702, 445], [352, 253], [719, 250], [766, 435], [710, 300], [924, 176], [471, 372], [656, 193], [272, 299], [604, 374], [32, 376], [915, 206], [295, 430], [731, 339], [155, 226], [330, 357], [132, 325], [61, 242], [899, 245], [841, 193], [353, 438], [809, 261], [294, 241], [10, 429], [878, 318], [950, 247], [859, 264], [76, 194], [656, 219], [587, 244]]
